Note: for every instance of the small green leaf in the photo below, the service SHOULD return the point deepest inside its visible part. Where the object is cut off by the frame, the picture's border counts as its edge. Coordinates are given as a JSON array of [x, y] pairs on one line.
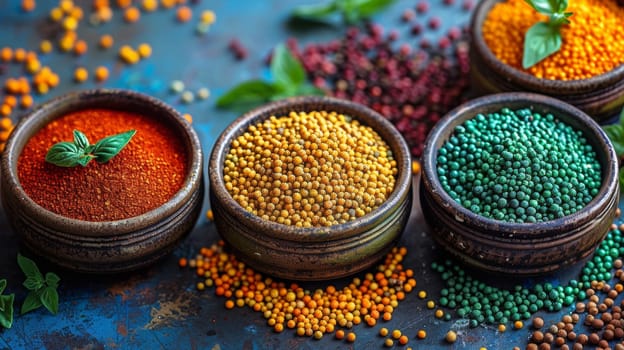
[[32, 302], [286, 70], [540, 41], [367, 8], [548, 7], [314, 12], [52, 279], [110, 146], [621, 179], [64, 154], [32, 283], [250, 93], [80, 140], [50, 299], [29, 268], [615, 133], [308, 89], [6, 315], [3, 284]]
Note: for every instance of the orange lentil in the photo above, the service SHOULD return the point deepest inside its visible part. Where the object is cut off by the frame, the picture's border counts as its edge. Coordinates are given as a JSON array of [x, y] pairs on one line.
[[66, 43], [208, 17], [6, 54], [66, 5], [182, 262], [106, 41], [184, 14], [421, 334], [26, 101], [5, 110], [101, 73], [229, 304], [104, 14], [19, 55], [144, 50], [45, 46], [132, 14], [70, 23], [351, 337], [81, 74], [76, 13], [595, 31], [10, 100], [80, 47], [403, 340], [168, 3], [124, 3], [28, 5], [56, 14], [149, 5], [518, 324]]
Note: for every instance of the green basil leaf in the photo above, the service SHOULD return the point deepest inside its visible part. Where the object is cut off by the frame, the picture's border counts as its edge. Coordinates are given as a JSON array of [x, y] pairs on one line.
[[540, 41], [64, 154], [49, 299], [32, 302], [615, 133], [314, 12], [80, 140], [29, 268], [110, 146], [286, 70], [52, 279], [367, 8], [308, 89], [3, 284], [84, 159], [548, 7], [32, 283], [6, 315], [249, 93]]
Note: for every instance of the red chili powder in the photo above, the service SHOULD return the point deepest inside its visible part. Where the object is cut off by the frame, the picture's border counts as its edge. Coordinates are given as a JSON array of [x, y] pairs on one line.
[[143, 176]]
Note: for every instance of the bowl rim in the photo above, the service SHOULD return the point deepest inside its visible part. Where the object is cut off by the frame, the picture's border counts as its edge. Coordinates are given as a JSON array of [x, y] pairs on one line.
[[84, 99], [503, 228], [549, 86], [357, 111]]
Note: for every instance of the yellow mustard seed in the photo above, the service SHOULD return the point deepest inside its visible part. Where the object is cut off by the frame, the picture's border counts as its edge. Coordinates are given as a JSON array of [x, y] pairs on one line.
[[310, 169]]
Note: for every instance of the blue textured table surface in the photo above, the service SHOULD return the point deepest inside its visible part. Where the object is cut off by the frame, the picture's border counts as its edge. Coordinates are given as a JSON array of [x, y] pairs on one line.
[[159, 307]]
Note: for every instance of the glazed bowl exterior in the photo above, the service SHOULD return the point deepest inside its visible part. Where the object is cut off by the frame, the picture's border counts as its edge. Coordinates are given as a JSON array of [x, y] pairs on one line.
[[601, 97], [316, 253], [107, 246], [518, 248]]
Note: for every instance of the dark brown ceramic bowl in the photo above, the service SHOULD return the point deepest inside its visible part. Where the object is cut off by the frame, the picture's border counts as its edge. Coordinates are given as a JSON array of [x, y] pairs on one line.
[[316, 253], [601, 97], [108, 246], [518, 248]]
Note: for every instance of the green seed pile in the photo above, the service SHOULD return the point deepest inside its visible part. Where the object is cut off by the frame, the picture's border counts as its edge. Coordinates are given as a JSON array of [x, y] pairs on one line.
[[519, 166], [310, 169], [482, 303]]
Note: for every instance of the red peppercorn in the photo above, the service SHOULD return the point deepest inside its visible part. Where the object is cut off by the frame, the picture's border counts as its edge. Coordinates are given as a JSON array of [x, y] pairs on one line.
[[422, 7]]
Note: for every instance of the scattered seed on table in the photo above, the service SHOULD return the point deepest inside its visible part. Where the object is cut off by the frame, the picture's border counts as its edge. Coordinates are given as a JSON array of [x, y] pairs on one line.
[[451, 336]]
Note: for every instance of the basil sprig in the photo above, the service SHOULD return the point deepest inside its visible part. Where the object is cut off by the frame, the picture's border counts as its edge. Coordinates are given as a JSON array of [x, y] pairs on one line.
[[289, 79], [80, 152], [544, 38], [42, 290], [6, 306], [350, 11]]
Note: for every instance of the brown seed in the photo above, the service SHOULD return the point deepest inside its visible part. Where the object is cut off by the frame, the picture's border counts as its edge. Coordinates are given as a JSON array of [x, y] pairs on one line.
[[571, 335], [577, 346], [569, 327], [537, 337], [531, 346], [560, 341], [597, 323], [594, 338], [589, 319], [575, 318], [606, 317], [565, 347], [538, 322], [580, 307], [553, 329], [549, 338], [544, 346], [612, 294], [618, 333], [566, 319], [618, 346], [603, 344], [562, 333], [608, 334], [582, 339]]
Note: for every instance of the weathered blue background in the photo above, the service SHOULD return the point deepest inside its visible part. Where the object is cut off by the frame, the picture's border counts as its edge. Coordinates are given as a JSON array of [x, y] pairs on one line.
[[159, 307]]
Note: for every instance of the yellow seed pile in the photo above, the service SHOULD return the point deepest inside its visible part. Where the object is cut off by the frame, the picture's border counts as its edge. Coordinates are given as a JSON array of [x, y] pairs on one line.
[[310, 169]]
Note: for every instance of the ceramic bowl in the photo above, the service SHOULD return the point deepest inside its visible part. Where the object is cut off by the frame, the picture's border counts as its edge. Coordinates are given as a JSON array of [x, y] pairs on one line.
[[316, 253], [518, 248], [601, 97], [107, 246]]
